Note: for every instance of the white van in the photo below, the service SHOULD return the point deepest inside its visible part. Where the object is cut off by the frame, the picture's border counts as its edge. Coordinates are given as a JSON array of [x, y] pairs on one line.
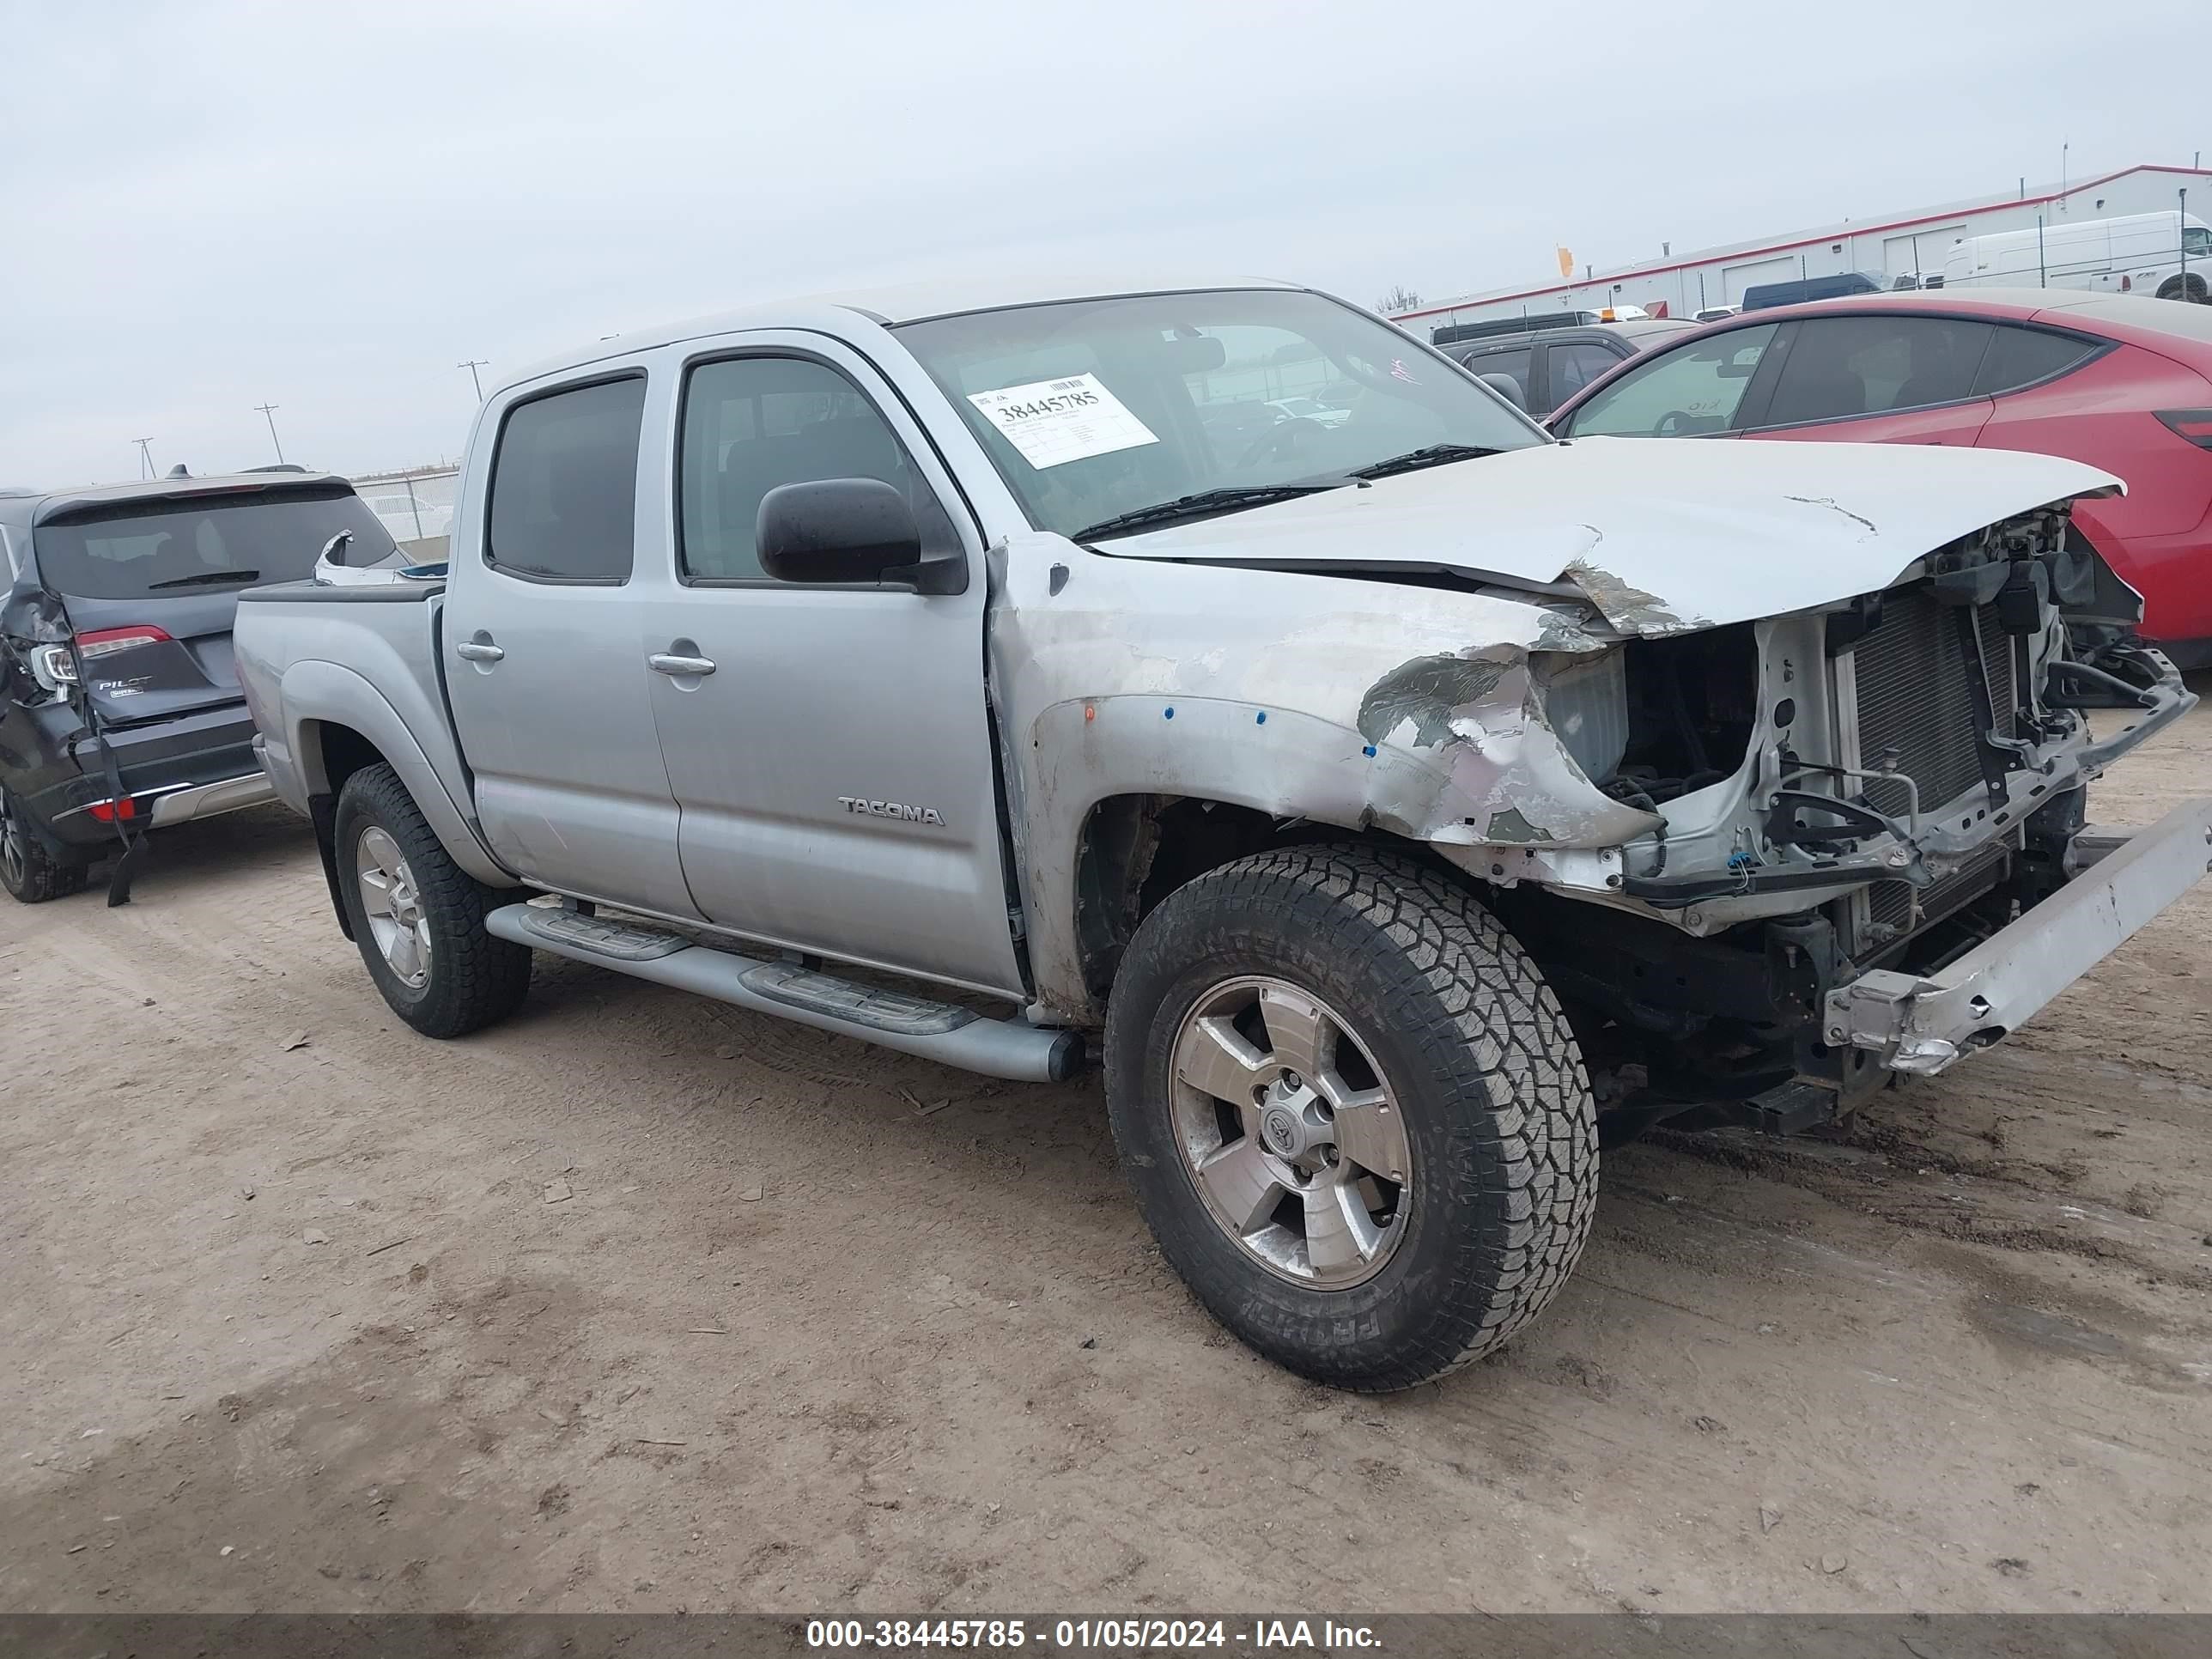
[[2142, 253]]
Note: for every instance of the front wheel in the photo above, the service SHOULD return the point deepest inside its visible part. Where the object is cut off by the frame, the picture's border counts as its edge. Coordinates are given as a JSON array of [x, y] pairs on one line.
[[1353, 1113], [417, 916]]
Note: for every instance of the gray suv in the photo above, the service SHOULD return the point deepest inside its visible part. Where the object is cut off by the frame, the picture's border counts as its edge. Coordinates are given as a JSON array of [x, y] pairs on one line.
[[119, 708], [1549, 365]]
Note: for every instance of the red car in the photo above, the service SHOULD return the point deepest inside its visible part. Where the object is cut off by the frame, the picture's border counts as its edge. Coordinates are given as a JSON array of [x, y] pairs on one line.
[[2121, 383]]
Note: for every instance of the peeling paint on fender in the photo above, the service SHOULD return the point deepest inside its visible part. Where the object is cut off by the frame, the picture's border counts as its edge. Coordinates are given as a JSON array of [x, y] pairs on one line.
[[1510, 827], [1426, 691]]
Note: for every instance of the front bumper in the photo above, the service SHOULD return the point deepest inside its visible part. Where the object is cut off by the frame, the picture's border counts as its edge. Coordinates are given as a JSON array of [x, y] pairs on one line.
[[1923, 1023]]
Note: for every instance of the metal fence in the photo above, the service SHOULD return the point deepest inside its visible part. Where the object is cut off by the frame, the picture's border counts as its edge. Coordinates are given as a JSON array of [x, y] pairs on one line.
[[415, 506]]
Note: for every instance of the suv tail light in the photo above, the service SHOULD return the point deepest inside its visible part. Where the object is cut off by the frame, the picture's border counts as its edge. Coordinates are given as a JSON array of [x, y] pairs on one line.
[[54, 667], [105, 641], [2194, 424]]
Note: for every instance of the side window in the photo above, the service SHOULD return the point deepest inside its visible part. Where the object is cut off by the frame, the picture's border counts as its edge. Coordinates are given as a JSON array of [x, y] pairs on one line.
[[1513, 364], [1575, 365], [752, 423], [1694, 388], [1844, 365], [564, 484], [2022, 356]]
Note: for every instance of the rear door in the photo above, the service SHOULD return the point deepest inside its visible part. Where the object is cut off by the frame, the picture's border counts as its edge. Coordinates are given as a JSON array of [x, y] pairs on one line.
[[830, 745], [150, 585], [543, 664], [1876, 378]]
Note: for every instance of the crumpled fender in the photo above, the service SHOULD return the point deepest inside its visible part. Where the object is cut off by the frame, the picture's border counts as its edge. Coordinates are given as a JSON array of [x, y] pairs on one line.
[[1356, 703]]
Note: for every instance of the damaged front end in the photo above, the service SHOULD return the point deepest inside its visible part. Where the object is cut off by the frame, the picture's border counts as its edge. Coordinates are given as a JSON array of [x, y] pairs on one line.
[[1844, 803]]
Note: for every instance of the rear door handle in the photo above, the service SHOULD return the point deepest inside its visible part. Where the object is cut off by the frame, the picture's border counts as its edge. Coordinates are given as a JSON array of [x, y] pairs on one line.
[[479, 651], [665, 663]]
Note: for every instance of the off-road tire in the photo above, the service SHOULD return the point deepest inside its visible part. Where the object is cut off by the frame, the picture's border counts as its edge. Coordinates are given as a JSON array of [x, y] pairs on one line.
[[28, 869], [475, 980], [1495, 1099], [2196, 293]]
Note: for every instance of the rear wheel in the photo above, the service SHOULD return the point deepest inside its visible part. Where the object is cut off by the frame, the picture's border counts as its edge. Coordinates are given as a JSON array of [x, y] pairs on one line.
[[418, 917], [1352, 1111], [2191, 288], [28, 869]]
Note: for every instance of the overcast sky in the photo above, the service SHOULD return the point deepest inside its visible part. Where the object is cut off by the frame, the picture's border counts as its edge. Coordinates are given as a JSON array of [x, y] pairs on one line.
[[327, 208]]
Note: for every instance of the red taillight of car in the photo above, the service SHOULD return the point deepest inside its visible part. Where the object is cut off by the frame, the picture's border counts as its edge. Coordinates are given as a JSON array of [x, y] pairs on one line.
[[108, 810], [105, 641], [2194, 424]]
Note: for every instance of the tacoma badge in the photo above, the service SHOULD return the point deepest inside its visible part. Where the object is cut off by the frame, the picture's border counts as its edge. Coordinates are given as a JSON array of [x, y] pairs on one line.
[[889, 809]]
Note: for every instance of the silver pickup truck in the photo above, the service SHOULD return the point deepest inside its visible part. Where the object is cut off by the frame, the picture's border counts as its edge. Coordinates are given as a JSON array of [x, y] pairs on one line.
[[1004, 677]]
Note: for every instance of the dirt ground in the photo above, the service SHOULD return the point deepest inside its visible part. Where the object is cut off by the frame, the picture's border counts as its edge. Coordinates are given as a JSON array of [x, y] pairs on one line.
[[640, 1303]]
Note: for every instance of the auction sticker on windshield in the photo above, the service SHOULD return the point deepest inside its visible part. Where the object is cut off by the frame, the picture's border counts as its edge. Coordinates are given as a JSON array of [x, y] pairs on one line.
[[1052, 423]]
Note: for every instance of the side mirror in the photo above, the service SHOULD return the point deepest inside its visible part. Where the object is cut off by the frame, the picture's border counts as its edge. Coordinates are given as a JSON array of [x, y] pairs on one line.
[[1506, 387], [850, 530]]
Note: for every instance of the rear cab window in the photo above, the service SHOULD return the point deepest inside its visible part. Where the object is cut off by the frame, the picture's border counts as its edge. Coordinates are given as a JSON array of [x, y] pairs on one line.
[[564, 484], [168, 546]]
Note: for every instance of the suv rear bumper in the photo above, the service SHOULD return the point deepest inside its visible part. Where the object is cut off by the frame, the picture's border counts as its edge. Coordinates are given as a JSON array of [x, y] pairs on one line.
[[194, 766], [1924, 1023]]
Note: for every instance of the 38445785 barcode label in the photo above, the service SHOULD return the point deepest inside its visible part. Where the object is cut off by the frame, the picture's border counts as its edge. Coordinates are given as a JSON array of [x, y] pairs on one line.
[[1051, 423]]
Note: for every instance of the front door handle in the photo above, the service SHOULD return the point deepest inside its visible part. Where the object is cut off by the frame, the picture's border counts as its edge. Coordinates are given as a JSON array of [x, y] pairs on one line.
[[478, 651], [666, 663]]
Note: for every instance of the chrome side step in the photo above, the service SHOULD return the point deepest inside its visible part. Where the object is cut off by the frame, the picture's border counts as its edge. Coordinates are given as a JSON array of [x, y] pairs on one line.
[[891, 1019]]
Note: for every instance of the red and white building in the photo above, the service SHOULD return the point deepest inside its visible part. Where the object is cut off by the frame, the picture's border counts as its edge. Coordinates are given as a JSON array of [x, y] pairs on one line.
[[1887, 247]]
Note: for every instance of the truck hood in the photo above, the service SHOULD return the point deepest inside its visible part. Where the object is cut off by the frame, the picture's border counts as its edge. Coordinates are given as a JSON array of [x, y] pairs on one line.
[[1661, 536]]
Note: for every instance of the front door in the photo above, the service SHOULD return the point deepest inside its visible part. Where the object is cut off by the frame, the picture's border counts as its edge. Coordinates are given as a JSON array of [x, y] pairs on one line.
[[544, 662], [830, 747]]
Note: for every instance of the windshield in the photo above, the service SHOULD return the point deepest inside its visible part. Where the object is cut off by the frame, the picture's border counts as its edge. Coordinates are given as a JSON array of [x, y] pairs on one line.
[[1096, 408], [166, 548]]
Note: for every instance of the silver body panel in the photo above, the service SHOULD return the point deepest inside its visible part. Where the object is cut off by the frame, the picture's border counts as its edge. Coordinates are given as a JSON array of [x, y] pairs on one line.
[[1189, 661]]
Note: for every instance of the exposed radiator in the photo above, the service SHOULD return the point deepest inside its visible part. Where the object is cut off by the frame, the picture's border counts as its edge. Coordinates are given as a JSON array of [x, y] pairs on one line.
[[1915, 701], [1916, 708]]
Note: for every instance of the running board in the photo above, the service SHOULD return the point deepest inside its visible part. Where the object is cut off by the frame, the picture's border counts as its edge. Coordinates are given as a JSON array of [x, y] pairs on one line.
[[890, 1019]]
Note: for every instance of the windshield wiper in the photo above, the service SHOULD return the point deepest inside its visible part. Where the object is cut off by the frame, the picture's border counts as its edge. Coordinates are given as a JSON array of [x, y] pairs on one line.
[[1206, 502], [201, 578], [1428, 455]]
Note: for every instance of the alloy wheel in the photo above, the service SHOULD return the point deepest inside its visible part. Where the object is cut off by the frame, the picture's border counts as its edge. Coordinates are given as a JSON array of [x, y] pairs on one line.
[[1290, 1133], [393, 904]]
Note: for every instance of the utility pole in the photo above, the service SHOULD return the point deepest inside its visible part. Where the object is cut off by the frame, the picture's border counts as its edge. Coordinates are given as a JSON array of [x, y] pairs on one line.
[[269, 414], [2042, 270], [146, 456], [2185, 243], [472, 366]]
